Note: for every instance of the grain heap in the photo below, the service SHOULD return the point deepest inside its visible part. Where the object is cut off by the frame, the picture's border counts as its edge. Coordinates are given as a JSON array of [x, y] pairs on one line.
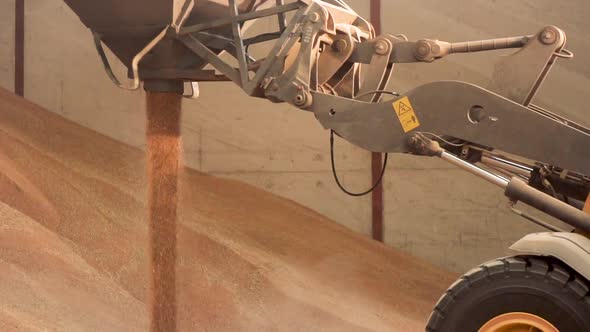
[[74, 246]]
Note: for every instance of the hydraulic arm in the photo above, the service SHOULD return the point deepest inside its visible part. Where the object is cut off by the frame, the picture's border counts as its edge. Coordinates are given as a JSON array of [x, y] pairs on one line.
[[327, 60]]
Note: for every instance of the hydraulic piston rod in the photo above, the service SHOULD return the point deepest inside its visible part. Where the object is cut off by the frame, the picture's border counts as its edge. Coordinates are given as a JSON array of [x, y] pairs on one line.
[[518, 190], [498, 180], [515, 188]]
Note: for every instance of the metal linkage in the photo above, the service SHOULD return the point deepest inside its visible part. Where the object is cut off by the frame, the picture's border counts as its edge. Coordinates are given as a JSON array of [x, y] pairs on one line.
[[240, 76], [520, 76], [312, 52], [279, 51], [278, 10], [211, 57], [489, 44], [429, 50]]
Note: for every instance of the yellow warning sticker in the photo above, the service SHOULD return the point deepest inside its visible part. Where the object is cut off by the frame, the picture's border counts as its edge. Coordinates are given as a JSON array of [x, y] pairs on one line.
[[406, 115]]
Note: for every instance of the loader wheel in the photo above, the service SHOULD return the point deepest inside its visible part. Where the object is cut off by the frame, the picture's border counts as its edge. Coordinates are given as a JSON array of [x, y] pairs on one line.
[[515, 294]]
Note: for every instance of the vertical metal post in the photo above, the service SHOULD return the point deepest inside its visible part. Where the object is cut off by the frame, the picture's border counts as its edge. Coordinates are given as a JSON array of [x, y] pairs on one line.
[[376, 15], [19, 47], [376, 158], [163, 155]]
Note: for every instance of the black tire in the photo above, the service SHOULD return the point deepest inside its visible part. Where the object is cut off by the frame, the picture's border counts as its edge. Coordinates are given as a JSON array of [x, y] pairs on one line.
[[539, 286]]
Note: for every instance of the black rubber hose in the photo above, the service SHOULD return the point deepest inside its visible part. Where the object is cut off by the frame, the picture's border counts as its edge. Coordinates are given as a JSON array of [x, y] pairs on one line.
[[364, 193]]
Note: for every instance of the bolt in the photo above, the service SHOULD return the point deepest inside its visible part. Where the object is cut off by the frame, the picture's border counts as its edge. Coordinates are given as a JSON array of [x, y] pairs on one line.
[[303, 99], [422, 50], [314, 17], [275, 86], [300, 99], [548, 36], [381, 47], [340, 45]]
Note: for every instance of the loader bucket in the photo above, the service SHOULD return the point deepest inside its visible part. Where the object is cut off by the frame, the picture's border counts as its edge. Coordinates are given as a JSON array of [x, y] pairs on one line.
[[128, 26]]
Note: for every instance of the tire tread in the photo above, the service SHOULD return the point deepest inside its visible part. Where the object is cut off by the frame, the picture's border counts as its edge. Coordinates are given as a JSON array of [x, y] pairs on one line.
[[532, 267]]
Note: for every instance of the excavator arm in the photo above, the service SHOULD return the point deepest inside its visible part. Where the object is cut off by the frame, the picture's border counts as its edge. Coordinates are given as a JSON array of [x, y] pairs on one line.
[[327, 60]]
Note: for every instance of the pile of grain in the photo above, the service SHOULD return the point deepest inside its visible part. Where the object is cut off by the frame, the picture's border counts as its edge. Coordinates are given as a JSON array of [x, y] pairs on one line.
[[74, 246]]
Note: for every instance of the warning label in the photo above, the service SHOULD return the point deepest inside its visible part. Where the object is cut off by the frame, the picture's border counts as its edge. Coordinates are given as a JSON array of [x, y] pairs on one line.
[[406, 115]]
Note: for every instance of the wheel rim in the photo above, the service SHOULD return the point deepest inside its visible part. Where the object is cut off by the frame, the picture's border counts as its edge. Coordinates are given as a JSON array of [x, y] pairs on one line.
[[518, 322]]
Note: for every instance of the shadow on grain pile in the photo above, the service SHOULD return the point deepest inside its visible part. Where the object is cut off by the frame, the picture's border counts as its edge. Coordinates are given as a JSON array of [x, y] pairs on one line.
[[247, 260]]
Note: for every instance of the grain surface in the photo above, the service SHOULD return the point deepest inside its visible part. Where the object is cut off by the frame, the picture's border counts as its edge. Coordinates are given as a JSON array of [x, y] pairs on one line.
[[74, 221]]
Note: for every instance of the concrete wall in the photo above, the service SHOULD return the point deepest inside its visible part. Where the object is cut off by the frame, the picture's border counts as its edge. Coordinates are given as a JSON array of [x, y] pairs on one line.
[[432, 210], [7, 44]]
